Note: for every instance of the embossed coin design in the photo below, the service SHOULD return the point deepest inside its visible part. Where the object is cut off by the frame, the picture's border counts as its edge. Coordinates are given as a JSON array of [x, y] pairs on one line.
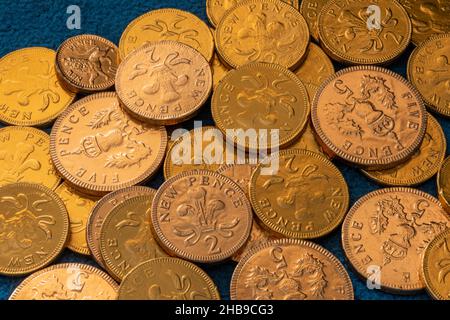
[[126, 238], [102, 208], [427, 17], [290, 269], [429, 72], [262, 31], [389, 229], [201, 216], [423, 165], [164, 82], [167, 279], [87, 63], [215, 10], [98, 148], [369, 116], [30, 92], [25, 157], [168, 24], [34, 226], [314, 70], [261, 96], [435, 266], [307, 198], [350, 33], [78, 207], [310, 9], [68, 281], [443, 184]]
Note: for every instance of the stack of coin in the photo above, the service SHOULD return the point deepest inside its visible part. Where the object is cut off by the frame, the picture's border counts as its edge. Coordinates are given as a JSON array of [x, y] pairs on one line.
[[81, 187]]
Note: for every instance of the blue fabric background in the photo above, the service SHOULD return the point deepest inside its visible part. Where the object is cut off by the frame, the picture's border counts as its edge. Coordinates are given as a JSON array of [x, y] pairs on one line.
[[28, 23]]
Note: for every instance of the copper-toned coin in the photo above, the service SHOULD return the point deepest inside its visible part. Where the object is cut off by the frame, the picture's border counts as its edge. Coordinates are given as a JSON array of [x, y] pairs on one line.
[[427, 17], [423, 164], [215, 10], [310, 9], [239, 173], [290, 269], [369, 116], [168, 279], [219, 70], [78, 207], [308, 141], [443, 184], [98, 148], [351, 32], [25, 157], [168, 24], [262, 31], [34, 226], [316, 68], [30, 92], [101, 209], [306, 197], [201, 216], [68, 281], [436, 266], [87, 63], [386, 232], [261, 96], [164, 82], [126, 238], [429, 72]]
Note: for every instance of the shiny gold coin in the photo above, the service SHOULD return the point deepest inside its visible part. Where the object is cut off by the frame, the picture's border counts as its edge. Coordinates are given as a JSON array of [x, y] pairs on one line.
[[201, 216], [87, 63], [316, 68], [290, 269], [164, 82], [219, 70], [443, 184], [126, 238], [385, 233], [239, 173], [427, 17], [262, 31], [308, 141], [424, 163], [168, 24], [30, 92], [25, 157], [101, 209], [34, 226], [98, 148], [306, 197], [350, 33], [261, 96], [68, 281], [215, 9], [200, 148], [78, 207], [310, 9], [168, 279], [435, 266], [369, 116], [429, 71]]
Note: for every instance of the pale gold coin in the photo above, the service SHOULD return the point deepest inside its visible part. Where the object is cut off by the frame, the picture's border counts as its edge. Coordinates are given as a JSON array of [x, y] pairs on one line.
[[310, 9]]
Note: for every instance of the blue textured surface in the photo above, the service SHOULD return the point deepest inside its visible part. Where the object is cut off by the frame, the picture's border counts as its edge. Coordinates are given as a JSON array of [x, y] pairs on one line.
[[43, 23]]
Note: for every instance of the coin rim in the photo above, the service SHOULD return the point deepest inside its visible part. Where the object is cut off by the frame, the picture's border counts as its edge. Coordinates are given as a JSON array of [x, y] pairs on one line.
[[290, 242], [337, 55], [302, 234], [101, 189], [60, 245], [73, 265], [413, 181], [383, 163], [78, 86], [443, 200], [189, 265], [314, 33], [167, 244], [386, 287]]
